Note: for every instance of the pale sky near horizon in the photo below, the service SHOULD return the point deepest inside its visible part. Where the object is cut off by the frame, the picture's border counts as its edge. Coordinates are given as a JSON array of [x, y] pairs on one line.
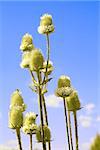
[[74, 52]]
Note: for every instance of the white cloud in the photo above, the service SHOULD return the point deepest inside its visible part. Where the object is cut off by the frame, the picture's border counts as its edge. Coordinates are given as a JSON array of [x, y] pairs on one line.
[[85, 121], [89, 107], [9, 145], [53, 101], [98, 119], [85, 146]]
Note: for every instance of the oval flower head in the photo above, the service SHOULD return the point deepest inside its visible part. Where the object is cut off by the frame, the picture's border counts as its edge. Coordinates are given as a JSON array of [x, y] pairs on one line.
[[50, 67], [25, 60], [47, 134], [29, 125], [73, 102], [63, 91], [17, 101], [15, 119], [27, 43], [46, 24], [36, 60], [64, 81]]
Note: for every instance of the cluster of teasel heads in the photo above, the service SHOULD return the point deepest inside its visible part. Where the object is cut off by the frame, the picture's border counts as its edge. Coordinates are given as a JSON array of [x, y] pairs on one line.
[[40, 70]]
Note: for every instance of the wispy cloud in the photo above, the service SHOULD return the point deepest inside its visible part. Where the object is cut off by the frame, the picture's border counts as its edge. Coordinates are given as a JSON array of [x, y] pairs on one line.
[[90, 107], [85, 121], [98, 119], [9, 145], [53, 101]]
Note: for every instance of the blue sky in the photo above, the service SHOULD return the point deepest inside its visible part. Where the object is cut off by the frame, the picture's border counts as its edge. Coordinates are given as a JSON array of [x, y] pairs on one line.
[[74, 52]]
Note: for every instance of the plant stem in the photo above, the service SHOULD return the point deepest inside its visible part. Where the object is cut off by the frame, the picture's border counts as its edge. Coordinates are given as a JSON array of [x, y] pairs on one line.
[[19, 138], [76, 129], [66, 120], [41, 111], [46, 118], [70, 129], [48, 55], [31, 146]]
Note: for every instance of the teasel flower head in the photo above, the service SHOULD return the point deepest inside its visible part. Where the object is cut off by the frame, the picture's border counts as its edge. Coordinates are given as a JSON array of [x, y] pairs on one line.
[[25, 60], [47, 134], [27, 43], [46, 24], [64, 81], [73, 102], [17, 101], [36, 60], [15, 118], [29, 125], [95, 145], [63, 92], [49, 69]]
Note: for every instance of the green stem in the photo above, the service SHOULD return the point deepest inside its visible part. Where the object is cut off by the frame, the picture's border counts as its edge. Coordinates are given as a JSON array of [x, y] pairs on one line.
[[41, 111], [76, 129], [70, 129], [31, 146], [48, 55], [66, 120], [19, 138], [46, 118]]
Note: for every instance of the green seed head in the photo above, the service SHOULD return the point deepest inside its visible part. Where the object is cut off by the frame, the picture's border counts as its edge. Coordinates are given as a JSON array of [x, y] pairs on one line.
[[63, 92], [15, 119], [50, 67], [64, 81], [17, 101], [25, 60], [27, 43], [96, 143], [73, 102], [47, 134], [36, 60], [46, 24]]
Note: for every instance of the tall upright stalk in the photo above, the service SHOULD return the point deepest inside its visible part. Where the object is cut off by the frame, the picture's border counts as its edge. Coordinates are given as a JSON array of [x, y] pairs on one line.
[[70, 129], [66, 120], [46, 118], [76, 129], [19, 138], [41, 111], [31, 146]]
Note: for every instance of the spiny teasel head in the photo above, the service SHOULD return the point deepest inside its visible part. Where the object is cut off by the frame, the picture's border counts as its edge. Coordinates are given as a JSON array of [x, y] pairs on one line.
[[47, 134], [25, 59], [36, 60], [63, 92], [49, 69], [27, 43], [29, 124], [46, 24], [17, 101], [15, 118], [96, 143], [73, 102], [64, 81]]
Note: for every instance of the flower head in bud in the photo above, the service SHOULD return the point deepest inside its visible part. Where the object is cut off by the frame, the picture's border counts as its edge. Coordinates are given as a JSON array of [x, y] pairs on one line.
[[15, 119], [47, 134], [73, 102], [25, 60], [36, 60], [29, 125], [17, 101], [63, 91], [64, 81], [46, 25], [27, 43], [50, 67]]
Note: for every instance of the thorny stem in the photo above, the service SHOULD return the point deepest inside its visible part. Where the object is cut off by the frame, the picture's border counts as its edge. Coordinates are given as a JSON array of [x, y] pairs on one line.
[[19, 138], [41, 111], [70, 129], [48, 55], [31, 146], [66, 120], [76, 129], [46, 118]]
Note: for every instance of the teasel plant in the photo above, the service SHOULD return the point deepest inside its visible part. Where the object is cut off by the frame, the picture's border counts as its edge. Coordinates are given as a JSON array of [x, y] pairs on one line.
[[40, 69], [17, 107], [30, 126]]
